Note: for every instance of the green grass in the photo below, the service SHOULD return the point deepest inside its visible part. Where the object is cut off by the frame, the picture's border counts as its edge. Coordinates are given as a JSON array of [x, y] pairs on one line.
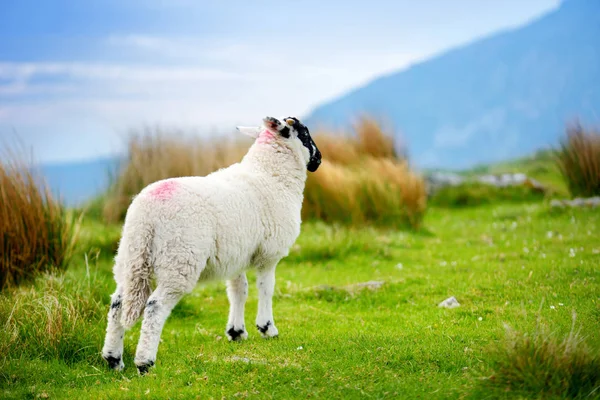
[[475, 194], [505, 263], [540, 166]]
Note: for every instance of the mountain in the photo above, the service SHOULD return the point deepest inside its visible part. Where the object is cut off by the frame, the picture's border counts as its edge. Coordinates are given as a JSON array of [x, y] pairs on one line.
[[500, 97]]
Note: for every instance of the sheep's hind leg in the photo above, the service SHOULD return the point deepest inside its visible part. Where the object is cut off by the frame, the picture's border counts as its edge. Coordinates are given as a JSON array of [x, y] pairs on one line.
[[158, 308], [265, 282], [112, 351], [237, 292]]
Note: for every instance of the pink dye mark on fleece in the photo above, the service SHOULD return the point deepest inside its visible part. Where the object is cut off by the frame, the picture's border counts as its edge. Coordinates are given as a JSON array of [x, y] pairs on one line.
[[164, 190], [265, 137]]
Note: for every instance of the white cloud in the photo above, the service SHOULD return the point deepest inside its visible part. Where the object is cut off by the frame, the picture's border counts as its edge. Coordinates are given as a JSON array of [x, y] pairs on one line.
[[208, 86], [24, 71]]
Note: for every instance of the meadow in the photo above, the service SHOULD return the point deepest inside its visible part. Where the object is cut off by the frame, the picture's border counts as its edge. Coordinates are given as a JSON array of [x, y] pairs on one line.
[[357, 310]]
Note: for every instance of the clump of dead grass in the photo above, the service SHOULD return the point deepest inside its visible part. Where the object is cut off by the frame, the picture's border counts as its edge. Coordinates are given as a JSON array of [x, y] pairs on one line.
[[36, 234], [578, 159], [363, 180]]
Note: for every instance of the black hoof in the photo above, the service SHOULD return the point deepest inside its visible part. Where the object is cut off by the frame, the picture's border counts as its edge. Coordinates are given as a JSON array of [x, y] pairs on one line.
[[143, 369], [265, 328], [113, 362], [235, 334]]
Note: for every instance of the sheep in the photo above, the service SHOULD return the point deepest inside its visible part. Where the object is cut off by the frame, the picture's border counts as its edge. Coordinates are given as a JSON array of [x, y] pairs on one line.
[[181, 231]]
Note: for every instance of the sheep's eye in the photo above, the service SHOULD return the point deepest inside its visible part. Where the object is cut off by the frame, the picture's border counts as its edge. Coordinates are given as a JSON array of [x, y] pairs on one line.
[[290, 122]]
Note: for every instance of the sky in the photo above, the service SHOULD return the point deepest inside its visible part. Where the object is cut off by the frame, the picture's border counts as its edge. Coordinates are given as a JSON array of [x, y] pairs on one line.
[[76, 76]]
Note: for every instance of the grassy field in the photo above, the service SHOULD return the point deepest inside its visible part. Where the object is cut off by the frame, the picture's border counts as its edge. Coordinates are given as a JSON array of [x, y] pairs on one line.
[[540, 166], [519, 265]]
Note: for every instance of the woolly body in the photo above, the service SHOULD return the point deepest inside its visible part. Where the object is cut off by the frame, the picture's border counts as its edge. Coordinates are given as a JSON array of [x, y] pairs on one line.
[[183, 230]]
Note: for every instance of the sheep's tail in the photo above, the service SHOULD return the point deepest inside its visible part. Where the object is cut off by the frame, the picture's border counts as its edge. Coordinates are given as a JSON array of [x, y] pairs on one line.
[[136, 271]]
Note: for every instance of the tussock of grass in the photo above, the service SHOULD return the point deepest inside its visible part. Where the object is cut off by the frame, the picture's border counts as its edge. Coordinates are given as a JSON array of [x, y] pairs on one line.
[[35, 233], [55, 319], [579, 161], [361, 181], [371, 139], [382, 192], [545, 365]]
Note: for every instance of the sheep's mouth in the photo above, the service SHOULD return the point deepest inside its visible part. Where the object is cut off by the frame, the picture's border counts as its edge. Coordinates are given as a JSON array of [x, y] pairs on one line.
[[272, 123]]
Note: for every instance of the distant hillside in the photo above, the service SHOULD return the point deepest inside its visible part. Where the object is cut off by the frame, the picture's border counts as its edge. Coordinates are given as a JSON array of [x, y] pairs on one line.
[[500, 97]]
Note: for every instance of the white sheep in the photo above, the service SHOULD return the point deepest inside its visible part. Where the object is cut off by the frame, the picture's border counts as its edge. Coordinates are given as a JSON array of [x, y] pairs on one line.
[[183, 230]]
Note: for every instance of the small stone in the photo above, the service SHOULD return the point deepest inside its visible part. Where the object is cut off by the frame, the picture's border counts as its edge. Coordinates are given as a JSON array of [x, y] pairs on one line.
[[594, 201], [450, 302], [578, 202], [371, 285], [556, 204]]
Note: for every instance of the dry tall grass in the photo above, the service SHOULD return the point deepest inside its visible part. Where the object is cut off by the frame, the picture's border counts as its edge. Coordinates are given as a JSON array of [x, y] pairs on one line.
[[362, 180], [579, 161], [35, 234]]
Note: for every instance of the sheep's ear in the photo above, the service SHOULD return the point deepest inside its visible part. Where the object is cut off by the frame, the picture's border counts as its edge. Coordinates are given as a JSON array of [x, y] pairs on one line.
[[252, 131]]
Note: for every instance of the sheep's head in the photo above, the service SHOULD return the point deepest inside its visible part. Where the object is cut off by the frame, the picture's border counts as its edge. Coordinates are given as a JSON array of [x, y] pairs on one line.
[[289, 128]]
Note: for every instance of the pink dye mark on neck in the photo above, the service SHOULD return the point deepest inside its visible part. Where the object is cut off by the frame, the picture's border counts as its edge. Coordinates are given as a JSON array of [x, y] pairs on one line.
[[265, 137], [164, 190]]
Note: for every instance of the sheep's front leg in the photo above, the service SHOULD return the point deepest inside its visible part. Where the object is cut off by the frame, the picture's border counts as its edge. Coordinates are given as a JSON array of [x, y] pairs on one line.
[[265, 282], [237, 292]]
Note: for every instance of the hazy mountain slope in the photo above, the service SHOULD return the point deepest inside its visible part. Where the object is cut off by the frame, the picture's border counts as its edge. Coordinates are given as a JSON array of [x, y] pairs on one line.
[[499, 97]]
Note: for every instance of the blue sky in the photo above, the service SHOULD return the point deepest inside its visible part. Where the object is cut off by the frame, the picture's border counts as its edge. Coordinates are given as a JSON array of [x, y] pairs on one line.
[[75, 75]]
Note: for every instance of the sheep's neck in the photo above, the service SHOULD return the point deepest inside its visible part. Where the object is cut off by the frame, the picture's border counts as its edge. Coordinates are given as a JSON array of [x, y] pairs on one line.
[[271, 158], [265, 137]]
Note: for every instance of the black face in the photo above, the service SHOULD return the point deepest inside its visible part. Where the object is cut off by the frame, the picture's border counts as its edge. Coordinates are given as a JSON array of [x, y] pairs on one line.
[[304, 136]]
